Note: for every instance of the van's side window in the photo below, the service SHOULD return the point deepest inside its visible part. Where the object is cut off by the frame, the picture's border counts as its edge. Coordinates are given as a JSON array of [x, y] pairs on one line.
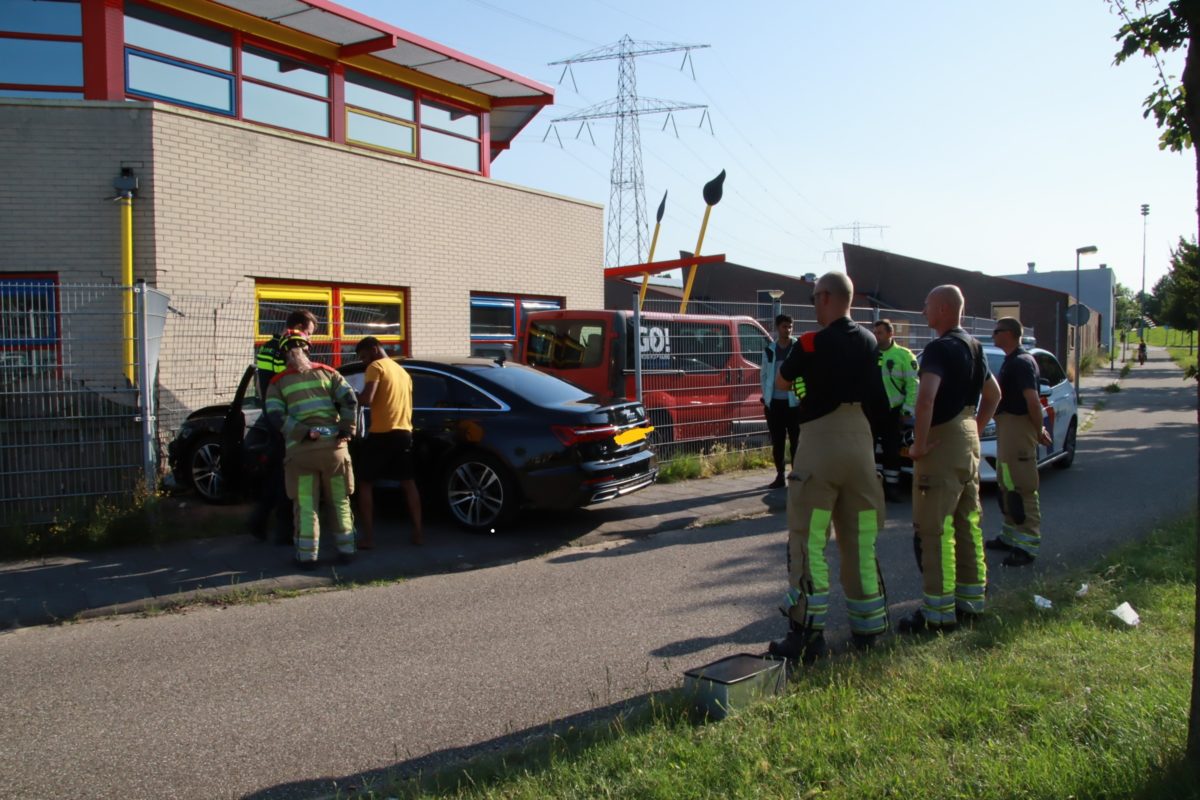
[[752, 342]]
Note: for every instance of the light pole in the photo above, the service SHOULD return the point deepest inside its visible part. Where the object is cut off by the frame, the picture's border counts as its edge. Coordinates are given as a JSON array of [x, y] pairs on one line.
[[1091, 248], [1142, 296], [776, 306]]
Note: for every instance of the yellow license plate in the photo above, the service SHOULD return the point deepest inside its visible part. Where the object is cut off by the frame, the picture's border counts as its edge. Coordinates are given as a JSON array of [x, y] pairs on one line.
[[633, 435]]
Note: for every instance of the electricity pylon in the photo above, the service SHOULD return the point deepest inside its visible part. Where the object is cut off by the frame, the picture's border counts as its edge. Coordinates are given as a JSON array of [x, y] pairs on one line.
[[627, 234]]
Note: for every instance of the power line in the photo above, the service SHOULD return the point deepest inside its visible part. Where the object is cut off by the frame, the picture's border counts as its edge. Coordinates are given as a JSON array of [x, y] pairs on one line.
[[627, 236]]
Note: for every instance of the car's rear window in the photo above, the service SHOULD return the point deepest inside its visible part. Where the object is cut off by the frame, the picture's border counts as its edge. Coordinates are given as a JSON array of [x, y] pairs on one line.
[[536, 387], [565, 343]]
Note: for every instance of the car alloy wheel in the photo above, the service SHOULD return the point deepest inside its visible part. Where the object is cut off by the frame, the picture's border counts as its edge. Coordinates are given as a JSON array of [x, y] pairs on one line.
[[206, 469], [477, 493]]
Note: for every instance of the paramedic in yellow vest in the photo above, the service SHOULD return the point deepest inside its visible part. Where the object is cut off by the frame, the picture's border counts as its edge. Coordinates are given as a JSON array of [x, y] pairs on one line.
[[1019, 430], [833, 482], [315, 409], [955, 382], [899, 368]]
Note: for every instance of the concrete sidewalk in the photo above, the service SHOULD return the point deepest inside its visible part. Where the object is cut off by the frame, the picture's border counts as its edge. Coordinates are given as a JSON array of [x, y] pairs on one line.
[[68, 587]]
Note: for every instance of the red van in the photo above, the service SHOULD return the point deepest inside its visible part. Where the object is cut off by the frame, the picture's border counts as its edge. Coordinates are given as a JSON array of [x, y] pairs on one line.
[[700, 373]]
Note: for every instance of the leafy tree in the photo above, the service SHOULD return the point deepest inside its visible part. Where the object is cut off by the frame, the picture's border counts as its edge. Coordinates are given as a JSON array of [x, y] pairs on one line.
[[1181, 293], [1151, 27]]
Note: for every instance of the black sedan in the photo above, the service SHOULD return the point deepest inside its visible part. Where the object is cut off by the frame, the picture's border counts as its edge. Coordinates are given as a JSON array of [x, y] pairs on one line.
[[489, 437]]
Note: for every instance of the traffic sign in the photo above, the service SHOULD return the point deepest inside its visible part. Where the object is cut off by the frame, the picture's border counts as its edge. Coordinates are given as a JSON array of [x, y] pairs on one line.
[[1078, 314]]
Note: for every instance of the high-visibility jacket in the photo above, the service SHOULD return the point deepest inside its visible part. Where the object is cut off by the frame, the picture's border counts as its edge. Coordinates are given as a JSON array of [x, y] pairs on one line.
[[899, 368], [299, 401], [270, 358]]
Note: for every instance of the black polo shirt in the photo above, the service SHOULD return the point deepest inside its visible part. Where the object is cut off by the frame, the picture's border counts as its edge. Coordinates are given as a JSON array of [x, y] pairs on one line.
[[839, 364], [962, 374], [1018, 373]]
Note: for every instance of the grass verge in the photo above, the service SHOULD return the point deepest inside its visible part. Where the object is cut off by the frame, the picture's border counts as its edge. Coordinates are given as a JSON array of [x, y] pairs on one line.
[[1063, 703], [717, 461]]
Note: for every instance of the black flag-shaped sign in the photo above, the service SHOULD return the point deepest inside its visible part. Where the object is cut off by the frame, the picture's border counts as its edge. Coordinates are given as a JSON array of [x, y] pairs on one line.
[[662, 208], [712, 189]]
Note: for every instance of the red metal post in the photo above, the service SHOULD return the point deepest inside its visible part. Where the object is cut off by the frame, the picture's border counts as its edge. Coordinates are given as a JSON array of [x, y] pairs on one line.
[[103, 24]]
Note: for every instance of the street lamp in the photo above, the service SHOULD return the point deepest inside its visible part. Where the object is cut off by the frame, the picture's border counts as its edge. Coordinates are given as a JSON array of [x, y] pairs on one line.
[[776, 306], [1142, 296], [1091, 248]]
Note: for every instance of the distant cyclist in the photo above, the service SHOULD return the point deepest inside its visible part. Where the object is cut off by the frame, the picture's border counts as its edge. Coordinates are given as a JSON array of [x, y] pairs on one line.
[[1142, 353]]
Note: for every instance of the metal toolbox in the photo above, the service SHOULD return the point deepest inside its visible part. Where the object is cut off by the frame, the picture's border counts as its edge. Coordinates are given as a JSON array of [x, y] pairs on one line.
[[734, 682]]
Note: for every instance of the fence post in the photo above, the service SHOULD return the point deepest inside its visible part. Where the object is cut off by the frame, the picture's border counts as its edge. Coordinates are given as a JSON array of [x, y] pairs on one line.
[[145, 385], [637, 346]]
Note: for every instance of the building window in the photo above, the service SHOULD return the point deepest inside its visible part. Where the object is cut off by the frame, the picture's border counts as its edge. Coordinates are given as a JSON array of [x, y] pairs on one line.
[[379, 114], [41, 49], [283, 92], [450, 136], [174, 59], [496, 320], [29, 334], [345, 314]]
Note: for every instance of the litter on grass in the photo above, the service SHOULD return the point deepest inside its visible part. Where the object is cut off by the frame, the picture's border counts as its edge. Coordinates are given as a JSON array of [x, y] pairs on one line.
[[1082, 590], [1126, 614], [1042, 602]]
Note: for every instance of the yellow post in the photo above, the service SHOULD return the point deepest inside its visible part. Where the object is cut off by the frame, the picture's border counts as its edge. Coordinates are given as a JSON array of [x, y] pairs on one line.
[[646, 275], [691, 278], [126, 202]]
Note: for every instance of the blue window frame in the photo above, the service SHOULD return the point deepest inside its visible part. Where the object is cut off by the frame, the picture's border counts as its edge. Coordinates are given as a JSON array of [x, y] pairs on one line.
[[29, 328], [162, 78]]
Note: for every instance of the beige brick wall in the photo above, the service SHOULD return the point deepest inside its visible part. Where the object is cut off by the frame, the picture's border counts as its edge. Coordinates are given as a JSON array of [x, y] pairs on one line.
[[223, 203]]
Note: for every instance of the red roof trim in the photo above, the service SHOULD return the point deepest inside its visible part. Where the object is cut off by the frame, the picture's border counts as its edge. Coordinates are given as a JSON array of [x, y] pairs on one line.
[[448, 52]]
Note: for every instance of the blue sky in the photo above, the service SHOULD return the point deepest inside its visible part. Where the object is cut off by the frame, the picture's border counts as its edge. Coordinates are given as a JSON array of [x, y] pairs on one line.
[[982, 135]]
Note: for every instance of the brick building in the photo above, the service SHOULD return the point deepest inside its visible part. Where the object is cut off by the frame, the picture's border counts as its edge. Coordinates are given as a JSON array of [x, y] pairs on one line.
[[287, 153]]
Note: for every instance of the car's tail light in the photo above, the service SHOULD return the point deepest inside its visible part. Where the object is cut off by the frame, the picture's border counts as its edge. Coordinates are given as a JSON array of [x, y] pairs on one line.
[[570, 435]]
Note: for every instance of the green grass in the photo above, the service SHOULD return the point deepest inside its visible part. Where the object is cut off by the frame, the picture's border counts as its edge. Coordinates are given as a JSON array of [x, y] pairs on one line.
[[717, 461], [1065, 703]]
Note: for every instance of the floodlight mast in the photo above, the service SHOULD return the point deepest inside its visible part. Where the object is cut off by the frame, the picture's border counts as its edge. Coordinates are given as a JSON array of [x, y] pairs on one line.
[[627, 234]]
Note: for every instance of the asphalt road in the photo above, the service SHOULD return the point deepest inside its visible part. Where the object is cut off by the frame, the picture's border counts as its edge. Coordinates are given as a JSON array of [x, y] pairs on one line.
[[280, 699]]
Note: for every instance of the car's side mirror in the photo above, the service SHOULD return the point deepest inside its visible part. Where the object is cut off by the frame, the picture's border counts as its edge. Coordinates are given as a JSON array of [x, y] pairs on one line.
[[1043, 390]]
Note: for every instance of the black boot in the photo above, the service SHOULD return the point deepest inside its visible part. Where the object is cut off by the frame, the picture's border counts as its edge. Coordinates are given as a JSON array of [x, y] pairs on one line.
[[996, 543], [892, 493], [800, 644], [778, 483], [1017, 558], [916, 623]]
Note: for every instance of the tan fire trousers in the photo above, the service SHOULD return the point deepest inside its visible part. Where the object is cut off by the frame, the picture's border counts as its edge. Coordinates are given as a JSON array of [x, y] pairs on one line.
[[946, 518], [834, 481], [310, 468], [1017, 477]]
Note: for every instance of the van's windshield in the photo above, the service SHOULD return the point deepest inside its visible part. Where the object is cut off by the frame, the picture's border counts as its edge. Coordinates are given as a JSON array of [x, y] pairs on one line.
[[565, 343]]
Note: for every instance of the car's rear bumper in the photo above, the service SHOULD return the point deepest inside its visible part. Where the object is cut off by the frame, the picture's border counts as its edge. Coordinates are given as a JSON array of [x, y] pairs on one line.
[[571, 486]]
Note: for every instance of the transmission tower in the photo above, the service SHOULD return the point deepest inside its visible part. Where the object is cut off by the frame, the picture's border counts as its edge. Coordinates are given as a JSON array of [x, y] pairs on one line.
[[627, 235], [857, 228]]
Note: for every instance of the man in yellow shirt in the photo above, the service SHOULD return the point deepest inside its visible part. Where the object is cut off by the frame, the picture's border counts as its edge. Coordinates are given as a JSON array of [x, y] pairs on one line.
[[386, 453]]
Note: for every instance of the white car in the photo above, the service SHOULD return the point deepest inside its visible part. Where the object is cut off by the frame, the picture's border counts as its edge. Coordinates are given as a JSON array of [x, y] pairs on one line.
[[1059, 414]]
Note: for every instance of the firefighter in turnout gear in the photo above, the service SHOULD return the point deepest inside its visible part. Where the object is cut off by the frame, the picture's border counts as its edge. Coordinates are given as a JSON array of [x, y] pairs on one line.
[[315, 409], [945, 454], [835, 371], [899, 368], [273, 500], [1019, 430]]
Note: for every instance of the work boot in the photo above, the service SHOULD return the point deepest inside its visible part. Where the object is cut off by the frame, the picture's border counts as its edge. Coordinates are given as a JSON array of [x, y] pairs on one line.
[[916, 623], [307, 566], [892, 493], [864, 642], [800, 644], [1018, 558], [778, 483], [996, 543], [345, 558]]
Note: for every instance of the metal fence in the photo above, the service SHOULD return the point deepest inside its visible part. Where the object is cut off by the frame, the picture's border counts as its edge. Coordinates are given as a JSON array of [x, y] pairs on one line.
[[701, 374], [75, 402]]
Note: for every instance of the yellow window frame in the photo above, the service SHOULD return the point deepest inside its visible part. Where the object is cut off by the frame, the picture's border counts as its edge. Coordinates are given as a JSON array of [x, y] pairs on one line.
[[379, 297], [385, 118], [309, 295]]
